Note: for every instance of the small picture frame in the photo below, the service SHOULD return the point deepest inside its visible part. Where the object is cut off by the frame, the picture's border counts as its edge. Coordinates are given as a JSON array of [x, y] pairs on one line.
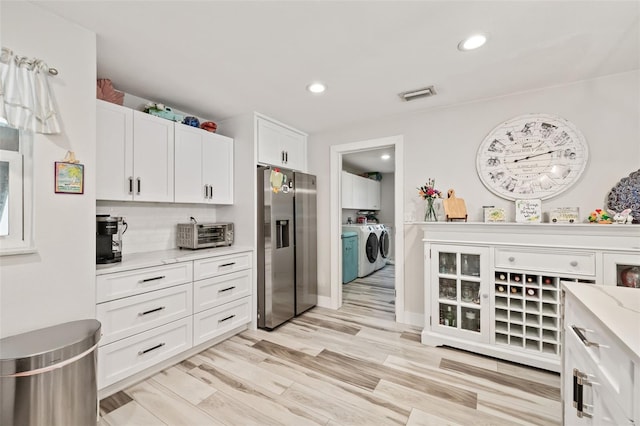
[[69, 178], [528, 211]]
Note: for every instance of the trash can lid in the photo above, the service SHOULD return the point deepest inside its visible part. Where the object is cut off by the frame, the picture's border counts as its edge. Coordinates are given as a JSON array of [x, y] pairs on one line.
[[47, 346], [349, 234]]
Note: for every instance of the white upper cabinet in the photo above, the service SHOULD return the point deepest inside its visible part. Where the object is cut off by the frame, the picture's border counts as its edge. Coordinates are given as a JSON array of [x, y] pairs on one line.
[[373, 193], [134, 155], [359, 192], [347, 190], [281, 146], [114, 152], [203, 166], [153, 145]]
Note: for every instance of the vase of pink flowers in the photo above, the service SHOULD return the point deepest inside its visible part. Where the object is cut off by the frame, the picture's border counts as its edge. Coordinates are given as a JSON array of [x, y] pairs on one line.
[[429, 193]]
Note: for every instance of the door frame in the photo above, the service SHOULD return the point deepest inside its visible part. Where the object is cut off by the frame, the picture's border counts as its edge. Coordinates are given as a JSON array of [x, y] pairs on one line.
[[337, 151]]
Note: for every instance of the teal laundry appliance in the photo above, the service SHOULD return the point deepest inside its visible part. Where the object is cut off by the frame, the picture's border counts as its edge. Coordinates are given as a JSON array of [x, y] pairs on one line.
[[349, 256]]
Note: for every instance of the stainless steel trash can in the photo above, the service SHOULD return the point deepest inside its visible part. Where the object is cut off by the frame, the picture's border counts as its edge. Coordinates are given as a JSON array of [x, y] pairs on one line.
[[48, 376]]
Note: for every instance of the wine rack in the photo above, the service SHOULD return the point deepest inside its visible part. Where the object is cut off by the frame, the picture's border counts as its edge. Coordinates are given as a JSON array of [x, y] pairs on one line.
[[528, 311]]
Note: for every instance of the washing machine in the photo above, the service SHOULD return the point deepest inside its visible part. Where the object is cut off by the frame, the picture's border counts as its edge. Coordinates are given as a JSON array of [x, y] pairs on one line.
[[367, 246], [384, 241]]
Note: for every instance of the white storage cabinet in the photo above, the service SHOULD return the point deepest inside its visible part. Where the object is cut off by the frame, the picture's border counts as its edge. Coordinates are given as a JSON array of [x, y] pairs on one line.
[[600, 376], [514, 274], [222, 295], [154, 313], [280, 145], [135, 153], [203, 166], [359, 192]]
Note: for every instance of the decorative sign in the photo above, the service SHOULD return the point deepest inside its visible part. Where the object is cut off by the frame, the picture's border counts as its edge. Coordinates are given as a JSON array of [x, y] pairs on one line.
[[564, 215], [493, 214], [528, 211], [69, 178]]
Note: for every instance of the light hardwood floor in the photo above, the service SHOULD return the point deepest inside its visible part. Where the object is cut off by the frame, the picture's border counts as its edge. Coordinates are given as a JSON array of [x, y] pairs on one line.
[[353, 366]]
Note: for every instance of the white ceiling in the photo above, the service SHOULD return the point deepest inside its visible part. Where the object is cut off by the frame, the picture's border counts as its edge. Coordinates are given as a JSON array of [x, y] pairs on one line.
[[370, 161], [217, 59]]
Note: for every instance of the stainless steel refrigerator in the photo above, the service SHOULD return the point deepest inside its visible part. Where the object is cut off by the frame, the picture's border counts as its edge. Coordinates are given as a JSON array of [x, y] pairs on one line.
[[287, 245]]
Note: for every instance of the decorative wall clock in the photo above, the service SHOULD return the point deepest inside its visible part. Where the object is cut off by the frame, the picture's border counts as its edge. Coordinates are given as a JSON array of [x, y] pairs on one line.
[[532, 156]]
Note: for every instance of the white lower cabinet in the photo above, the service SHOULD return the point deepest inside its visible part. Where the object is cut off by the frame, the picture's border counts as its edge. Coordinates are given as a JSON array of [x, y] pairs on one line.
[[125, 317], [151, 314], [495, 289], [214, 322], [600, 376], [121, 359]]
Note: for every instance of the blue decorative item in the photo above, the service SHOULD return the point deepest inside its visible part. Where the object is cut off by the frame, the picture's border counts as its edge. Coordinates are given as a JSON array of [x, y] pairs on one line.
[[191, 121]]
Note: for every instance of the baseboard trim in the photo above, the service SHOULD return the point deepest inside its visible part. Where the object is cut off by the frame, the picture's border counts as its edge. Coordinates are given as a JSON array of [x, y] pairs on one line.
[[325, 302], [413, 318]]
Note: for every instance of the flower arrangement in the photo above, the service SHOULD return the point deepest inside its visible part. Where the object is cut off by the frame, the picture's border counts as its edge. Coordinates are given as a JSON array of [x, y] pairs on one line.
[[599, 216], [429, 193]]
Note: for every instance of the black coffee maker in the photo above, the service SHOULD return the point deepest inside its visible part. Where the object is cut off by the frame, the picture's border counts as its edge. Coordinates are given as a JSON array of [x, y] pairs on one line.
[[109, 232]]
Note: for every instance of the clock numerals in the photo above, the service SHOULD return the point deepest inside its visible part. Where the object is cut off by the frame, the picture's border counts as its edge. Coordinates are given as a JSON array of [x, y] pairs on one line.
[[532, 156]]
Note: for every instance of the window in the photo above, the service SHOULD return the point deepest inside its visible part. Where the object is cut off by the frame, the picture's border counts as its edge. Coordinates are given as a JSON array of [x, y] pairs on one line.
[[16, 189]]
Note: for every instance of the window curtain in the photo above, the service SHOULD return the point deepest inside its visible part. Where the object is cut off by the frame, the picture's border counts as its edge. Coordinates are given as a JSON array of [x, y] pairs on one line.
[[26, 102]]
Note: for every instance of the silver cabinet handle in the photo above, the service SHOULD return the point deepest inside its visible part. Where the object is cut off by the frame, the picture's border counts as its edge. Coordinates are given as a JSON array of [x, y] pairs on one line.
[[580, 333], [286, 156], [210, 191], [206, 191], [130, 184], [226, 319], [511, 259], [580, 380], [573, 263], [282, 156], [146, 351], [150, 311], [227, 264], [138, 180], [226, 289]]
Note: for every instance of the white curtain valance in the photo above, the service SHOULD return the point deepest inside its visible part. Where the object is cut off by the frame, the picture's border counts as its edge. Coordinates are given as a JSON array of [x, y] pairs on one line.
[[26, 102]]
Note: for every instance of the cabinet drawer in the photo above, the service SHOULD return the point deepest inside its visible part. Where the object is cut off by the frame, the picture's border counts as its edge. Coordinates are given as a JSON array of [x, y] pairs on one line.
[[568, 262], [128, 283], [216, 291], [615, 366], [125, 357], [214, 322], [125, 317], [214, 266]]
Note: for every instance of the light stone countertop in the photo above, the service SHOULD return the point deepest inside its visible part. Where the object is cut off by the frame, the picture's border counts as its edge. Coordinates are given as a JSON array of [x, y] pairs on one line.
[[617, 308], [165, 257]]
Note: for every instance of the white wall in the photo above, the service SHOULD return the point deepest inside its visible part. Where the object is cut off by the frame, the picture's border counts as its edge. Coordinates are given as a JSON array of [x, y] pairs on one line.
[[152, 226], [56, 284], [442, 144]]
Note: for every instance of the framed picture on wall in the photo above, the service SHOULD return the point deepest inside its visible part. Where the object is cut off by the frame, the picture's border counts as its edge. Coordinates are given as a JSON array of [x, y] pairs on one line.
[[69, 178]]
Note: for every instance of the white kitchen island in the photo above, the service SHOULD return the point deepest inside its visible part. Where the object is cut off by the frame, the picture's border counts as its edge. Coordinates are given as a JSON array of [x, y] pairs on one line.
[[601, 363]]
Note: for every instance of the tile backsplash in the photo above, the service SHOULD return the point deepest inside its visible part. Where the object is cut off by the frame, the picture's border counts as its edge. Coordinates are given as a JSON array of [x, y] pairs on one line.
[[152, 226]]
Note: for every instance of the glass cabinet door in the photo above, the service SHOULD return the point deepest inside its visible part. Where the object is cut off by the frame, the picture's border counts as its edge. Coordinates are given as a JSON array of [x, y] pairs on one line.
[[459, 274]]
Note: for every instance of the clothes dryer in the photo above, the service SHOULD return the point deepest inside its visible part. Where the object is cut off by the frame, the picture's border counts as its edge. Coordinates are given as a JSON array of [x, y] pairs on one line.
[[367, 246], [384, 241]]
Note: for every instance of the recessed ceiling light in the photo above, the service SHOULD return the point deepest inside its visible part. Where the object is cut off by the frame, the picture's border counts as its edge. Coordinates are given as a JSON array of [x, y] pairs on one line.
[[385, 156], [472, 42], [316, 87]]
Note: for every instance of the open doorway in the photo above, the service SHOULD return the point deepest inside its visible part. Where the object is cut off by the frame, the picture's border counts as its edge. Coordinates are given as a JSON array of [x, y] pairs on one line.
[[367, 207], [388, 272]]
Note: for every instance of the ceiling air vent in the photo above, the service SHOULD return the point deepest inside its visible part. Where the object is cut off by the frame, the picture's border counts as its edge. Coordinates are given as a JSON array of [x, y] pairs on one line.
[[417, 94]]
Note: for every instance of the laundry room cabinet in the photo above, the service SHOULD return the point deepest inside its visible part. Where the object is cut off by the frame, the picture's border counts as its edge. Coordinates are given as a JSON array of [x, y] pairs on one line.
[[135, 154], [280, 145], [203, 166], [359, 192]]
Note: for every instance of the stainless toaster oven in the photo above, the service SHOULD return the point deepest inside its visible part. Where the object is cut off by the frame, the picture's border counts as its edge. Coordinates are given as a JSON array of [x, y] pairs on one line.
[[204, 235]]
